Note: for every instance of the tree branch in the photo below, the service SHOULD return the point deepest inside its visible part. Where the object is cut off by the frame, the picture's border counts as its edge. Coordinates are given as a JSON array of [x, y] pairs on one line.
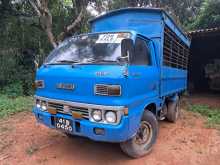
[[69, 28], [77, 20], [45, 17], [38, 3], [35, 8]]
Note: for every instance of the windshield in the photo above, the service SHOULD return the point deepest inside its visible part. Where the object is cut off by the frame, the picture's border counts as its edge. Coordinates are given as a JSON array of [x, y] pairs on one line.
[[91, 48]]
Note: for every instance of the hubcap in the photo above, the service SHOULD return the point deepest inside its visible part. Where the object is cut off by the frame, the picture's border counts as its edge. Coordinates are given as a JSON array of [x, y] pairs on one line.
[[144, 133]]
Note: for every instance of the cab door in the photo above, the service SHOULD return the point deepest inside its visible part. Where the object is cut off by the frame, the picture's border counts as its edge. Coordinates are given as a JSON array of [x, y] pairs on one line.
[[143, 70]]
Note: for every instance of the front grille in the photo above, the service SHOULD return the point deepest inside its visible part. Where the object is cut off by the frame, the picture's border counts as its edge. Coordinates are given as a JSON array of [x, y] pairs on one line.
[[67, 109], [101, 89], [83, 111], [58, 107]]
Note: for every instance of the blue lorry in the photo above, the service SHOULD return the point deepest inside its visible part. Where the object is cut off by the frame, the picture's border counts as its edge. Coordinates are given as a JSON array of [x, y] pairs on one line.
[[115, 83]]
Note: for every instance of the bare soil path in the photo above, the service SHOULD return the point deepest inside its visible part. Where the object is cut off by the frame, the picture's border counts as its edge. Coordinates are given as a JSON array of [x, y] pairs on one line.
[[212, 100], [188, 142]]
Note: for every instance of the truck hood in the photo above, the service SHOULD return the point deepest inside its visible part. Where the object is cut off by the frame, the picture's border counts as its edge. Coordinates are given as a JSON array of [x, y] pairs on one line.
[[84, 78]]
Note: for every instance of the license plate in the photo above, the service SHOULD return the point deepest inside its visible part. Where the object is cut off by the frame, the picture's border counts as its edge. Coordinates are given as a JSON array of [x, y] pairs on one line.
[[64, 124]]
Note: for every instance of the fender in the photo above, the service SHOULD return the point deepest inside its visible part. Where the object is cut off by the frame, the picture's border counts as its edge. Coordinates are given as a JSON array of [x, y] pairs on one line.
[[136, 113]]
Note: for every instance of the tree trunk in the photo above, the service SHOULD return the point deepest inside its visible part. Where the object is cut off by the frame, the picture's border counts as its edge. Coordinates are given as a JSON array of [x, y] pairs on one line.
[[41, 8]]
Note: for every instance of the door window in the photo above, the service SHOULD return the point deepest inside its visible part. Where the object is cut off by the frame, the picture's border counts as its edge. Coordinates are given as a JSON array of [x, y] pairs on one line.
[[142, 53]]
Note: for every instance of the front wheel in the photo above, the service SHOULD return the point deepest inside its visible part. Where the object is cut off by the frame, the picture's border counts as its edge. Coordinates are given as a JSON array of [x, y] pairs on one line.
[[141, 144]]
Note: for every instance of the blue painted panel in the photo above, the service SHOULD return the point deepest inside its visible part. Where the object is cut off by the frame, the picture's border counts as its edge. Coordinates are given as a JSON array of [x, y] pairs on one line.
[[172, 80], [145, 21], [84, 78], [147, 24]]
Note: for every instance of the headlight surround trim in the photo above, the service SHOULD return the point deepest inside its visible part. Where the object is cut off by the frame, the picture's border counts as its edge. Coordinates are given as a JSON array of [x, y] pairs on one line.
[[38, 103], [118, 116], [107, 115], [41, 104], [94, 116], [44, 105]]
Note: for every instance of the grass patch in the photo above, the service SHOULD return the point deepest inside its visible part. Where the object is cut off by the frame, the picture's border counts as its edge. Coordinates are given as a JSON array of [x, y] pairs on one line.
[[9, 106], [212, 114]]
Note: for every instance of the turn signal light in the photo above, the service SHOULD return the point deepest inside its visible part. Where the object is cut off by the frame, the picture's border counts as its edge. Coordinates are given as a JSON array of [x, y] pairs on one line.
[[114, 90], [99, 131], [125, 111], [52, 111], [107, 90], [39, 84]]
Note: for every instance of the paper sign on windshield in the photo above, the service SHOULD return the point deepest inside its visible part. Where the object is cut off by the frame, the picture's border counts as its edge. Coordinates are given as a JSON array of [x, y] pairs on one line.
[[112, 37], [107, 38]]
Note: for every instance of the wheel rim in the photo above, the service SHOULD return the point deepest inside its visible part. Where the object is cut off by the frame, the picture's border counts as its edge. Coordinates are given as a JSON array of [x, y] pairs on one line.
[[144, 134]]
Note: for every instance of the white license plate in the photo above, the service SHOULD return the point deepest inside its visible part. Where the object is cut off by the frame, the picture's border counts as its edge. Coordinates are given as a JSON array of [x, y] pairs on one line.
[[64, 124]]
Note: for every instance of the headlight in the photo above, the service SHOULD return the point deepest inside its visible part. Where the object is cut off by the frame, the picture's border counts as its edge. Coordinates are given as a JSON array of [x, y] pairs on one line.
[[96, 115], [44, 105], [38, 104], [41, 104], [111, 117]]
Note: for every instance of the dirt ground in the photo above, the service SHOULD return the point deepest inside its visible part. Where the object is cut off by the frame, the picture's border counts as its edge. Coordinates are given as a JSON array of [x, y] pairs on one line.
[[212, 100], [188, 142]]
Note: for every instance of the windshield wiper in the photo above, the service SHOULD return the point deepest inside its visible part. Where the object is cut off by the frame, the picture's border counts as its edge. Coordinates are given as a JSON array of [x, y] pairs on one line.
[[63, 62], [67, 61], [105, 61], [81, 63]]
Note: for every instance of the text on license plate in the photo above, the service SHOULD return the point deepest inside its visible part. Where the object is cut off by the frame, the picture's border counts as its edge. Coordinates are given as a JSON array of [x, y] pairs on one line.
[[64, 124]]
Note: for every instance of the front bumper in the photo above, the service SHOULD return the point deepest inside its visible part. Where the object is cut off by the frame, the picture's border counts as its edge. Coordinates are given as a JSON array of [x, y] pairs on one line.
[[81, 127]]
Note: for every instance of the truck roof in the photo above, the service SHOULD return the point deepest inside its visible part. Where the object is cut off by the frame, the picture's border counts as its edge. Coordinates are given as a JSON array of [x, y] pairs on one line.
[[145, 10]]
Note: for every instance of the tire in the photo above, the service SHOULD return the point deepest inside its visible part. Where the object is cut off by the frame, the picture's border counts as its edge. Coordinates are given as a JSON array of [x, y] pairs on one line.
[[173, 111], [137, 147]]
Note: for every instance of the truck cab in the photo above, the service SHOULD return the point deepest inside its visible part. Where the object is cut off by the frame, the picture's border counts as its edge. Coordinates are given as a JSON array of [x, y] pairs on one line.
[[115, 83]]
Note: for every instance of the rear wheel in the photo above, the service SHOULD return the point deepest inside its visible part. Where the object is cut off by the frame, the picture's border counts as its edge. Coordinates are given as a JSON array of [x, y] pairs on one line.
[[173, 111], [141, 144]]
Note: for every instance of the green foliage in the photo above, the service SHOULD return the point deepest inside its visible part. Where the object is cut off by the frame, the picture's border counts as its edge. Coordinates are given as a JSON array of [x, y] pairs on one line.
[[7, 68], [21, 42], [17, 72], [13, 90], [9, 106], [212, 114], [209, 15]]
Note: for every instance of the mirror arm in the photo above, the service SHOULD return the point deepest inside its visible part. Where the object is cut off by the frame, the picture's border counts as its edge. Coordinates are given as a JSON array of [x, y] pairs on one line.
[[36, 64]]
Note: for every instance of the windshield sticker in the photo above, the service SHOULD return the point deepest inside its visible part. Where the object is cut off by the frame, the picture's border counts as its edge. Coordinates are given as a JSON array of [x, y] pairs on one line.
[[118, 40], [107, 38], [124, 35], [84, 37]]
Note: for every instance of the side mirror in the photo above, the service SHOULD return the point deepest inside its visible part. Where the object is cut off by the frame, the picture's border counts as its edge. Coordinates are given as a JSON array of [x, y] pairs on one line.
[[127, 49], [36, 64]]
